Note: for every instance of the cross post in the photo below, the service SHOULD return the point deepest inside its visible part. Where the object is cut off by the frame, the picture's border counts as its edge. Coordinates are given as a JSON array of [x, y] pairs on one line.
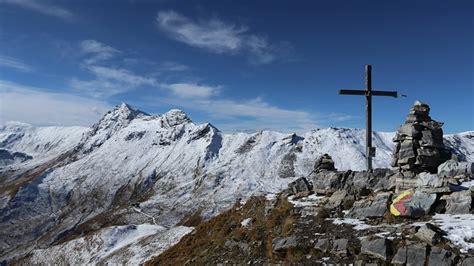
[[368, 92]]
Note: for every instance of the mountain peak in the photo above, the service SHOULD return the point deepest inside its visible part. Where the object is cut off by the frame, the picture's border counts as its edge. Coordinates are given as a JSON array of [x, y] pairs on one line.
[[117, 118], [176, 117], [126, 109]]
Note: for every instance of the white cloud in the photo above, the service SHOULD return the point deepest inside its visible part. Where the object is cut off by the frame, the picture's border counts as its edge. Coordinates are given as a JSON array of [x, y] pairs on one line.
[[192, 90], [43, 8], [37, 106], [98, 88], [110, 81], [97, 51], [13, 63], [216, 36], [250, 115], [121, 75], [213, 35]]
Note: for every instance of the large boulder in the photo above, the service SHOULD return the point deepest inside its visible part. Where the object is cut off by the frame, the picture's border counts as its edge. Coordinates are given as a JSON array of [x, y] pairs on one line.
[[412, 204]]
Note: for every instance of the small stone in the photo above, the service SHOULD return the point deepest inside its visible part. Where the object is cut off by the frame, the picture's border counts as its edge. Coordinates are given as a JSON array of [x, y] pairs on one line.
[[416, 255], [322, 245], [376, 248], [336, 199], [339, 246], [284, 243], [440, 256], [400, 257], [426, 234]]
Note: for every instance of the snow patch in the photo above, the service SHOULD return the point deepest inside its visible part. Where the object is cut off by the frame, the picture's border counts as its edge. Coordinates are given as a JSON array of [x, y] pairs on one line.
[[358, 224], [246, 222], [460, 229], [311, 200]]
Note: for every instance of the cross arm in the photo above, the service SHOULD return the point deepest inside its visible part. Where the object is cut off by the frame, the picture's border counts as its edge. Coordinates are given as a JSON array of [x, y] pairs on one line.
[[352, 92], [373, 93], [385, 93]]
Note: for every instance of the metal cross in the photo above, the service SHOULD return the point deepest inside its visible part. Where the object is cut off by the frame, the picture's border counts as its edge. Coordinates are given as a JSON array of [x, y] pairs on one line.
[[368, 92]]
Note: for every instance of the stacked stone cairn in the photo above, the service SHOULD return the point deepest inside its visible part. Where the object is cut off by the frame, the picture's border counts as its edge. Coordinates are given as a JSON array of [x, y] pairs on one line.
[[324, 162], [419, 143]]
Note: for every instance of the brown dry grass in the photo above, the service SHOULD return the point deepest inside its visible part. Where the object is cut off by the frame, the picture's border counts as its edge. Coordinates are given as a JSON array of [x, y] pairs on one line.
[[207, 244]]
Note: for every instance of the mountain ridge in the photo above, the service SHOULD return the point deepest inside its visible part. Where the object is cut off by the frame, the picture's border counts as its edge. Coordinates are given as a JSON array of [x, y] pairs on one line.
[[136, 168]]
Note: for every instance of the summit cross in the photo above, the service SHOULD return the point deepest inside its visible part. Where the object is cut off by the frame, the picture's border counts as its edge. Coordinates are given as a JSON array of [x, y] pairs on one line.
[[368, 92]]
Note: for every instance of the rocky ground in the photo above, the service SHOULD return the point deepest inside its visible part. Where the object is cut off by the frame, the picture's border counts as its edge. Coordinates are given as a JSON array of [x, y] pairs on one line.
[[336, 217]]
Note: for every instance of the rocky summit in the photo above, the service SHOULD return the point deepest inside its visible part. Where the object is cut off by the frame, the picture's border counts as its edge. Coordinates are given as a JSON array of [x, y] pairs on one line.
[[137, 188], [340, 217]]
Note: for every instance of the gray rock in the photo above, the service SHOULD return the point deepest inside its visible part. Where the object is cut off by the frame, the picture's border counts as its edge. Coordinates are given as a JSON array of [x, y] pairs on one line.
[[232, 243], [339, 246], [284, 243], [400, 258], [371, 207], [428, 152], [416, 255], [440, 256], [336, 199], [432, 138], [418, 205], [411, 130], [287, 167], [325, 181], [324, 162], [469, 261], [359, 179], [406, 151], [429, 234], [322, 245], [376, 248], [425, 179], [300, 185], [458, 202], [452, 168]]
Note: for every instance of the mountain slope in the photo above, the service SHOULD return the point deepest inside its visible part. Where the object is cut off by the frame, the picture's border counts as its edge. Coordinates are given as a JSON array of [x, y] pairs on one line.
[[165, 171]]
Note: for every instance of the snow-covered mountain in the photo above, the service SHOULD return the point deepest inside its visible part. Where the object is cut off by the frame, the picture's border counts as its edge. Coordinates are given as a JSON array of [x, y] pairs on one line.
[[135, 181]]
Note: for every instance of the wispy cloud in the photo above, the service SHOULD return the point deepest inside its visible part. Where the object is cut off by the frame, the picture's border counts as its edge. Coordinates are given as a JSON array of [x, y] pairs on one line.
[[244, 115], [13, 63], [217, 36], [39, 106], [97, 51], [233, 115], [42, 7], [192, 90]]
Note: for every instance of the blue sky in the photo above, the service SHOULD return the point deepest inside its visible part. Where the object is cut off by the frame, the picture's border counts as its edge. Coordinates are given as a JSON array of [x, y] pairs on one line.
[[241, 65]]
